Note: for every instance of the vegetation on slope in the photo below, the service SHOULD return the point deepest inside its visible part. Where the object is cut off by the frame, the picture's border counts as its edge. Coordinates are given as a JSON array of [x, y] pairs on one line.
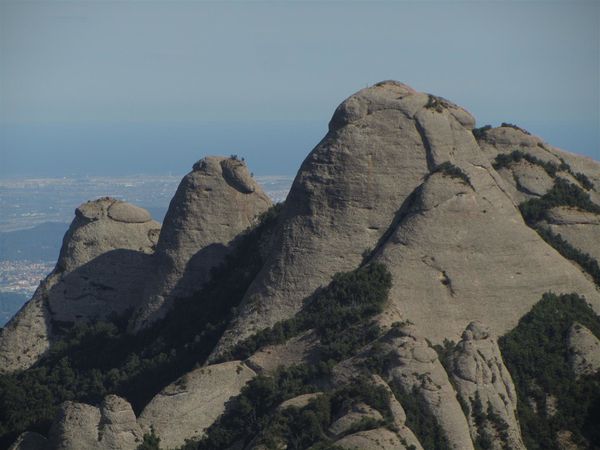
[[449, 169], [536, 355], [551, 168], [254, 415], [93, 360], [339, 313], [562, 193]]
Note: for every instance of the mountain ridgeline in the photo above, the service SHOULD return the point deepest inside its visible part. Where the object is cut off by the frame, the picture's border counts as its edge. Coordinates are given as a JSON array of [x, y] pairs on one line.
[[425, 285]]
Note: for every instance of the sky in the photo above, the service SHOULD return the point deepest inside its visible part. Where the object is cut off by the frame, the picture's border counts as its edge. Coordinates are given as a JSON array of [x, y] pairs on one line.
[[130, 87]]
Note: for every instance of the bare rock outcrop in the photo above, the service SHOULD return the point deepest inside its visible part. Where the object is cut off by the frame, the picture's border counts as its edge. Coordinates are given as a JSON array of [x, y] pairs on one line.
[[302, 349], [584, 348], [387, 177], [185, 408], [525, 180], [213, 204], [415, 368], [376, 439], [485, 385], [346, 194], [463, 252], [102, 265], [112, 426]]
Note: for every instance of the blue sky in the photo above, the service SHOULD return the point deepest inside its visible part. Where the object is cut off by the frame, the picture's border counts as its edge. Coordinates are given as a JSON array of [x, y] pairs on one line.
[[113, 88]]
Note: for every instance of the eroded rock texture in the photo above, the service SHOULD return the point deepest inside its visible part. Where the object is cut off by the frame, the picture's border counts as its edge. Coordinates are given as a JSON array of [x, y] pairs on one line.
[[102, 266], [213, 204]]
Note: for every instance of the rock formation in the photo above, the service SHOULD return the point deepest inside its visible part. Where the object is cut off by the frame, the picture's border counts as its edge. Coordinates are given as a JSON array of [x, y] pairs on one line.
[[485, 386], [415, 368], [454, 244], [102, 264], [213, 204], [402, 178], [112, 426], [184, 409], [584, 348]]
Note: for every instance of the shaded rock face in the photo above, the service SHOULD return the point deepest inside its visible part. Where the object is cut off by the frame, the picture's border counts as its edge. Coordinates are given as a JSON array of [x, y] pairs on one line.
[[184, 409], [482, 381], [102, 265], [584, 348], [213, 204], [112, 426]]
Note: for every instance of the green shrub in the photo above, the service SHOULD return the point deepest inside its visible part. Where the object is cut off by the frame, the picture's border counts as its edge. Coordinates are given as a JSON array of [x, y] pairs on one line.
[[449, 169], [339, 313], [480, 132], [505, 159], [585, 260], [150, 441], [562, 193], [536, 355], [420, 420], [253, 416], [510, 125]]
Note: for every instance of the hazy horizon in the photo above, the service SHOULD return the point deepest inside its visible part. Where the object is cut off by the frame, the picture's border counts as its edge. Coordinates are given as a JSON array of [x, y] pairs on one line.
[[119, 88]]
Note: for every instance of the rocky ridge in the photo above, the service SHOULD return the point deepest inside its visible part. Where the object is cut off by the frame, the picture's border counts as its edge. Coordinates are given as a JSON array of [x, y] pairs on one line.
[[404, 179], [213, 204], [102, 264]]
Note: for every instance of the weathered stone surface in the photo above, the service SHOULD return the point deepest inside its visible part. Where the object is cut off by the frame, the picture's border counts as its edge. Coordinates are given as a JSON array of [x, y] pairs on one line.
[[377, 439], [185, 408], [95, 232], [580, 229], [300, 401], [464, 253], [407, 437], [30, 441], [479, 375], [531, 179], [415, 368], [124, 212], [100, 271], [112, 426], [360, 411], [584, 348], [302, 349], [347, 193], [213, 204]]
